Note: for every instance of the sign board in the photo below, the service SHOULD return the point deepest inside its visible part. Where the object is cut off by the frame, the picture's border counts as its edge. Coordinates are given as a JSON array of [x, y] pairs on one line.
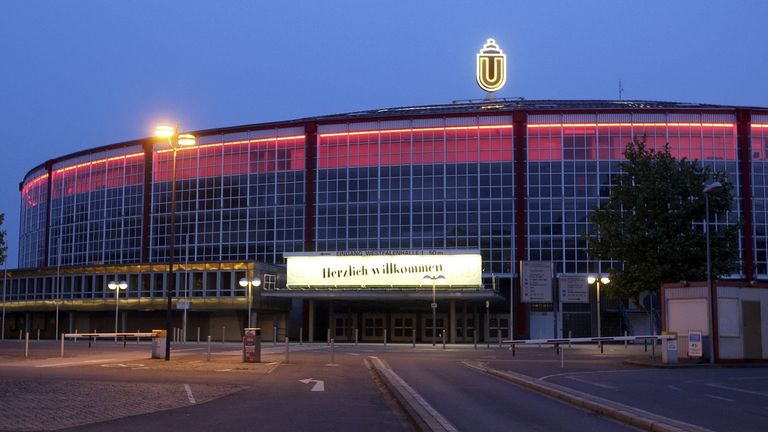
[[536, 281], [377, 269], [573, 289], [694, 344], [182, 304]]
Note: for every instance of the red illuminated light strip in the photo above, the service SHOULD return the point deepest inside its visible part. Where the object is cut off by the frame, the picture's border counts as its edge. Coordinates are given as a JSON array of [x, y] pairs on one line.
[[432, 129], [551, 125], [32, 183], [69, 168], [228, 143]]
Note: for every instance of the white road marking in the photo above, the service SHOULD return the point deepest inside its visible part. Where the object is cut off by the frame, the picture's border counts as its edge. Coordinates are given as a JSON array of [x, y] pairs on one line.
[[319, 385], [720, 398], [596, 384], [74, 363], [736, 389], [189, 394], [674, 388]]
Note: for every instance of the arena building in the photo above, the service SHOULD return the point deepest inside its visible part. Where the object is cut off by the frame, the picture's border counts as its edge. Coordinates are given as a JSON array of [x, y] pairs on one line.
[[467, 191]]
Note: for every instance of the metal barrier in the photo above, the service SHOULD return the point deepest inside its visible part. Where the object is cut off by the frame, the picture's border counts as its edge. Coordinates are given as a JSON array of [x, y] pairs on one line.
[[93, 336], [599, 340]]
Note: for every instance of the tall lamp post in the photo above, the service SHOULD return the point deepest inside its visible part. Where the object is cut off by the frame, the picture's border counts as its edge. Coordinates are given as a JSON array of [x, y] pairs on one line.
[[434, 280], [175, 140], [116, 287], [245, 282], [709, 189], [605, 281]]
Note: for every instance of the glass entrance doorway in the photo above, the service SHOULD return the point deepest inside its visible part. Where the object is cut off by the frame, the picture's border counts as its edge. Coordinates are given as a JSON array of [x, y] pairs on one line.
[[426, 326], [403, 327], [344, 326], [373, 327]]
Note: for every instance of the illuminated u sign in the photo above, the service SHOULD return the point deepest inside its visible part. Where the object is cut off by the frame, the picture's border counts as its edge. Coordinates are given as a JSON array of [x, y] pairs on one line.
[[491, 67]]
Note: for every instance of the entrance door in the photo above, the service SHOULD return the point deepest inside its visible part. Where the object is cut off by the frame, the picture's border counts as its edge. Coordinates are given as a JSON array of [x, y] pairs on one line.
[[344, 326], [426, 326], [753, 336], [465, 328], [373, 327], [403, 327], [498, 327]]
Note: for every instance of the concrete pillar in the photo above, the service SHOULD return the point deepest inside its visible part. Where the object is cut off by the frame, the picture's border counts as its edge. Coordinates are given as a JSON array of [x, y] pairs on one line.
[[123, 321], [452, 323], [71, 324], [311, 323]]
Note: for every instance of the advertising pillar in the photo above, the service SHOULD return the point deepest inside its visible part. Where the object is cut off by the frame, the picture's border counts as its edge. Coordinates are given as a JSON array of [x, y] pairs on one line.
[[252, 345]]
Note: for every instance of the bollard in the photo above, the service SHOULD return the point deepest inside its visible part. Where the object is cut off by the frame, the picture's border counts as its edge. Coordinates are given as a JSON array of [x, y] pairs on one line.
[[274, 335], [626, 342], [286, 350], [137, 336], [385, 338], [333, 354], [38, 334], [645, 345], [20, 334], [198, 335], [413, 333], [62, 345], [355, 337], [498, 335], [301, 335], [569, 338], [209, 347], [443, 340], [474, 336], [223, 330], [562, 357], [26, 346], [328, 336]]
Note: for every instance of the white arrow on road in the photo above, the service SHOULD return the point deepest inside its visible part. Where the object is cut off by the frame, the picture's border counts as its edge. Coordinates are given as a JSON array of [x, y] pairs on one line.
[[319, 385]]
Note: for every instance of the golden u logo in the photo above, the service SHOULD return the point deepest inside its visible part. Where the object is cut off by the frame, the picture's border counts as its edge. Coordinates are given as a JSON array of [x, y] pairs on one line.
[[491, 67]]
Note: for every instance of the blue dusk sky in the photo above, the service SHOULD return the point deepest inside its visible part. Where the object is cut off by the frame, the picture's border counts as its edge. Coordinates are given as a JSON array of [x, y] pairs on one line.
[[84, 73]]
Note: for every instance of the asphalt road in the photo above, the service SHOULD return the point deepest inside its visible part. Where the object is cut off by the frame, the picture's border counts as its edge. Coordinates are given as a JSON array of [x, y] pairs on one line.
[[109, 387]]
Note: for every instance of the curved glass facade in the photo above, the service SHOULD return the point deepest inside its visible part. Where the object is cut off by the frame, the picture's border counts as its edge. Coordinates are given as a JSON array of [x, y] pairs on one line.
[[515, 184]]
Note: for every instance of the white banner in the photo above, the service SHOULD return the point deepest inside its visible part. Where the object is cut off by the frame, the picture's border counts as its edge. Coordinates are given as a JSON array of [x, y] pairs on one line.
[[397, 270], [536, 281]]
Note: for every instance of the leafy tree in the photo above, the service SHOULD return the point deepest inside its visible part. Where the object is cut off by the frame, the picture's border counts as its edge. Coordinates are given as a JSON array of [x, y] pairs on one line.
[[652, 224], [3, 246]]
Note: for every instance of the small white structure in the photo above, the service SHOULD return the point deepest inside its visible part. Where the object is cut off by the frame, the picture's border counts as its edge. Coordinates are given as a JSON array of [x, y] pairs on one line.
[[741, 314]]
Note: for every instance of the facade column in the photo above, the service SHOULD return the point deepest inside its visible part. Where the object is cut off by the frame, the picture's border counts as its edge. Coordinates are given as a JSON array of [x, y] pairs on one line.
[[452, 323], [311, 322]]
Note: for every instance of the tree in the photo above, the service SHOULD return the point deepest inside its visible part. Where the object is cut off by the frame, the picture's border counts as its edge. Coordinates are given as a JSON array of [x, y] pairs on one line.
[[652, 225], [3, 246]]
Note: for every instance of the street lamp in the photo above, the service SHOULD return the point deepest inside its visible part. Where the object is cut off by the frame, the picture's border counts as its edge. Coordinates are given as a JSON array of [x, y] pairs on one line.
[[605, 281], [434, 280], [244, 282], [175, 140], [711, 188], [116, 287]]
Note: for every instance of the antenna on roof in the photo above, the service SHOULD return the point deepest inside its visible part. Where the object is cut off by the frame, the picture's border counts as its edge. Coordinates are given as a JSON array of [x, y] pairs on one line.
[[621, 89]]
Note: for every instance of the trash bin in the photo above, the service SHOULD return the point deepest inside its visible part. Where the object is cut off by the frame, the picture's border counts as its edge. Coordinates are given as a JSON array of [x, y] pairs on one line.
[[158, 344], [252, 345], [669, 349]]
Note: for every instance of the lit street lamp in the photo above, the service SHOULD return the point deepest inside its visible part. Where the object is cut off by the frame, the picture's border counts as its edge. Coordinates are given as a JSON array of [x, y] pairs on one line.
[[175, 140], [711, 188], [434, 280], [116, 287], [605, 281], [244, 282]]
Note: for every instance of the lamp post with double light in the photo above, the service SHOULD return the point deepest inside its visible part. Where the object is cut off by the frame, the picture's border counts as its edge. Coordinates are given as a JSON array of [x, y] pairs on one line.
[[250, 283], [434, 280], [117, 287], [605, 281], [175, 141], [709, 189]]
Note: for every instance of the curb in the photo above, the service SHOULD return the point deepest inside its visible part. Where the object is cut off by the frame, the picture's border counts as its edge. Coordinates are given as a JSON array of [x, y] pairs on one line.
[[618, 411], [419, 412]]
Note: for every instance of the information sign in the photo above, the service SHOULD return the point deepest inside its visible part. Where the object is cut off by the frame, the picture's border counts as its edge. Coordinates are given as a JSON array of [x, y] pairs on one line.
[[574, 289], [536, 281], [694, 344]]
